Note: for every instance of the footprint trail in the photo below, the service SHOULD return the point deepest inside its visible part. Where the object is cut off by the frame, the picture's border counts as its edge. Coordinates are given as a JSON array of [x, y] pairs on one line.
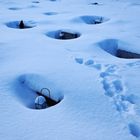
[[114, 87]]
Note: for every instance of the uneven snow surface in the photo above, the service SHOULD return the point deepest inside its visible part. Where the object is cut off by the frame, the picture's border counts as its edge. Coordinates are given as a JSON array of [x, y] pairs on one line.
[[85, 54]]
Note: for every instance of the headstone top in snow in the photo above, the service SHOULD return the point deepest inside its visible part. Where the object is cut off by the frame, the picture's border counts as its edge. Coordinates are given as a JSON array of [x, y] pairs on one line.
[[63, 34], [21, 24], [40, 102]]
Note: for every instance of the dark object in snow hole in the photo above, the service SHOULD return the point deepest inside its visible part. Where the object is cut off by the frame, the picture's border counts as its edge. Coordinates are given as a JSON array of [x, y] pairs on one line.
[[21, 25], [126, 54], [66, 35], [50, 13], [40, 102], [94, 3], [115, 48], [98, 21], [63, 34], [93, 19], [35, 2], [44, 100]]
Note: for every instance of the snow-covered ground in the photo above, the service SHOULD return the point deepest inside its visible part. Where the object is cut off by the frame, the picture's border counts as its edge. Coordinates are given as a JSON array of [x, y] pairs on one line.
[[98, 93]]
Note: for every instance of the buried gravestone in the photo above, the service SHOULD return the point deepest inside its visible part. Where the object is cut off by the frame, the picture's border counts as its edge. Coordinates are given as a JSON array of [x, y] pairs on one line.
[[21, 25], [40, 102]]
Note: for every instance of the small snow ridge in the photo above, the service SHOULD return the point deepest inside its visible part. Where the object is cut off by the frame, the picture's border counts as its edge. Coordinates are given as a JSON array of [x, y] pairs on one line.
[[134, 129], [63, 34], [134, 64], [46, 94], [117, 48], [21, 24], [92, 19]]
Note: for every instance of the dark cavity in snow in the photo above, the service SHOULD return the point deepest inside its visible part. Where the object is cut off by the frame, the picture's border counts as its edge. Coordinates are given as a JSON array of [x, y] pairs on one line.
[[93, 19], [35, 2], [126, 54], [31, 92], [63, 34], [53, 0], [50, 13], [14, 8], [94, 3], [116, 48], [21, 24], [45, 95]]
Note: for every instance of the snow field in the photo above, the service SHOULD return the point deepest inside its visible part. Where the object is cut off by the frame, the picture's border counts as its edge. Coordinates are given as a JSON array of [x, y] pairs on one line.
[[100, 91]]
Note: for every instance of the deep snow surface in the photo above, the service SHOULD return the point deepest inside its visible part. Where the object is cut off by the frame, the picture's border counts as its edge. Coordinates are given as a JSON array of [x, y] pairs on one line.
[[98, 91]]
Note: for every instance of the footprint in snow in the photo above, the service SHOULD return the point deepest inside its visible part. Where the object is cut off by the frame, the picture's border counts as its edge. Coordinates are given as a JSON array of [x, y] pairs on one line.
[[113, 85], [134, 64], [134, 129], [79, 60], [114, 88], [89, 63]]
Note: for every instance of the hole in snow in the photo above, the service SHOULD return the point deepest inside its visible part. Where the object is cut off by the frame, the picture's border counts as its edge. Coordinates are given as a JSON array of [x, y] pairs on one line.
[[95, 3], [118, 49], [14, 8], [21, 24], [63, 34], [36, 92], [53, 0], [35, 2], [93, 19], [50, 13]]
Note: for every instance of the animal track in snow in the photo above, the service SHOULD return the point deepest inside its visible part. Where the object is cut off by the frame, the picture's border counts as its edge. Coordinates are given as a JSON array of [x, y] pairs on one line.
[[134, 129], [113, 85], [114, 88], [79, 60], [89, 63]]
